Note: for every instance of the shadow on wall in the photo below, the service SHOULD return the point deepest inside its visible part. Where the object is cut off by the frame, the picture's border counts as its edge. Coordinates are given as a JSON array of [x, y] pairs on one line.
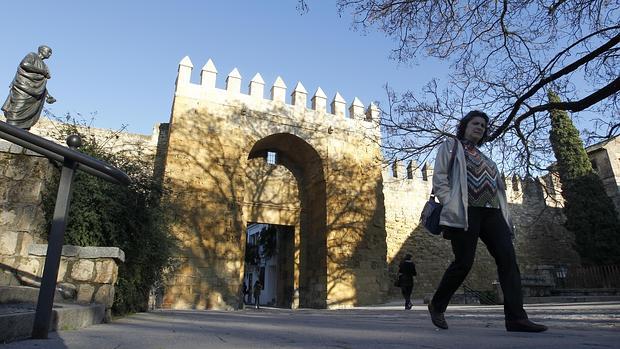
[[341, 215]]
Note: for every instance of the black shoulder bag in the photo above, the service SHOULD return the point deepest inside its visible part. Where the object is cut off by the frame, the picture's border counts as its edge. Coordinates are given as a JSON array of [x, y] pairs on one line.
[[432, 209]]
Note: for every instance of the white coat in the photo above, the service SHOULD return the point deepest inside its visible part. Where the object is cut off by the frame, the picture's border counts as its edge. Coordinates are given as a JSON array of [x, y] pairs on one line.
[[452, 192]]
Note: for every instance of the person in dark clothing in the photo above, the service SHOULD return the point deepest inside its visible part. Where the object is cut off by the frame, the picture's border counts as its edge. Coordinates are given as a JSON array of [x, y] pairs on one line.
[[475, 208], [258, 286], [245, 291], [406, 272]]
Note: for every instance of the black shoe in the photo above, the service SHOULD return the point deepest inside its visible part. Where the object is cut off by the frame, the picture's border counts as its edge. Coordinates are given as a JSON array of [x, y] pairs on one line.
[[524, 325], [437, 318]]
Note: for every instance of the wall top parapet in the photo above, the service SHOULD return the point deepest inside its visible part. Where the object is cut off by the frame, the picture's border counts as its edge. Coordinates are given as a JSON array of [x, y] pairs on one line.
[[208, 77], [545, 189]]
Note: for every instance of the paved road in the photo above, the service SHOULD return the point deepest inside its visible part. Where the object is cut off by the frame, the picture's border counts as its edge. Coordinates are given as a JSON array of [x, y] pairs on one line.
[[591, 325]]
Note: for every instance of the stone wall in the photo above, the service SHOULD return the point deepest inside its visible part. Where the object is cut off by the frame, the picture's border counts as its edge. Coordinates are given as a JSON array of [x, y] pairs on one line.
[[116, 141], [534, 204], [24, 176], [87, 274], [605, 158]]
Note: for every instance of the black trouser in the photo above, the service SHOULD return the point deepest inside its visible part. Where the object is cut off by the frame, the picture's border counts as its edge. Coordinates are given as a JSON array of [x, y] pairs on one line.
[[490, 226], [406, 291]]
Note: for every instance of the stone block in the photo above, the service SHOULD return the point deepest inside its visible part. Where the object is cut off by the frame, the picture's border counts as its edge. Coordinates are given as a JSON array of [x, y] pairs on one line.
[[83, 270], [85, 293], [31, 266], [62, 270], [7, 278], [21, 217], [105, 295], [67, 290], [105, 271], [26, 240], [81, 252], [15, 171], [28, 191], [101, 252], [8, 240]]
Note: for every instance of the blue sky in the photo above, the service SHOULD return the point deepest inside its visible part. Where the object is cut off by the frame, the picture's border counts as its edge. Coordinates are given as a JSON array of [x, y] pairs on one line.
[[119, 59]]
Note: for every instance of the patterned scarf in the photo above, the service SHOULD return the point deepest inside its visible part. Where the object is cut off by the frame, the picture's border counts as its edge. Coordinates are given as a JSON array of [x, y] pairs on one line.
[[481, 177]]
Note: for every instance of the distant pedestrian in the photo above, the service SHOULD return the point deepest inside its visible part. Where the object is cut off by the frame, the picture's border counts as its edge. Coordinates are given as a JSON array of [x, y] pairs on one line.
[[258, 286], [245, 291], [249, 293], [406, 272]]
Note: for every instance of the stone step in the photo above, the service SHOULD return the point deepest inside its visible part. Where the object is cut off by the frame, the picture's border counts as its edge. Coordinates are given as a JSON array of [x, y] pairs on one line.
[[23, 294], [585, 292], [17, 319], [570, 299]]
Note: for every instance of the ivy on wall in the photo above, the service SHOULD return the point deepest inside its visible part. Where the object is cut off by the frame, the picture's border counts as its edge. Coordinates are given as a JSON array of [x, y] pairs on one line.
[[129, 217]]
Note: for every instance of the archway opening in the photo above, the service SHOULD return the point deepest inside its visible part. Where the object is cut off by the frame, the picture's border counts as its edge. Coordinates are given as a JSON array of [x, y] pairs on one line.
[[271, 201], [269, 259]]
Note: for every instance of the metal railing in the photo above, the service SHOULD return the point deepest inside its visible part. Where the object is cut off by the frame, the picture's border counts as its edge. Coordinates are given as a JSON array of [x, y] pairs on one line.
[[71, 160], [483, 297], [603, 276]]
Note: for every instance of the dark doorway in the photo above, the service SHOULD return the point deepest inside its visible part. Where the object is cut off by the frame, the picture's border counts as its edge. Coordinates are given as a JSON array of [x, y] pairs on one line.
[[269, 257]]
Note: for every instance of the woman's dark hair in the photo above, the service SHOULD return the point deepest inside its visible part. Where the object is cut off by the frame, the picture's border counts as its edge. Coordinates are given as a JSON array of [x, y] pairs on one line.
[[408, 256], [460, 130]]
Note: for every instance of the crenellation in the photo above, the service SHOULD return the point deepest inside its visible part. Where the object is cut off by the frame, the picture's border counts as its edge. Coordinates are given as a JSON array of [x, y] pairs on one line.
[[278, 90], [185, 71], [208, 75], [319, 101], [233, 82], [397, 169], [411, 166], [373, 113], [356, 109], [257, 86], [516, 183], [299, 96], [427, 172], [338, 105]]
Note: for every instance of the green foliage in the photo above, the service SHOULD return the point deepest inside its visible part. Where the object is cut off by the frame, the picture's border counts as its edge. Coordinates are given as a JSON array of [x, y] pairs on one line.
[[267, 239], [590, 213], [131, 218], [265, 246]]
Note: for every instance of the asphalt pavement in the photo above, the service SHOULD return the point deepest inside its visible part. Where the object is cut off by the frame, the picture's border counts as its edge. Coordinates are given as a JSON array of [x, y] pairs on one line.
[[584, 325]]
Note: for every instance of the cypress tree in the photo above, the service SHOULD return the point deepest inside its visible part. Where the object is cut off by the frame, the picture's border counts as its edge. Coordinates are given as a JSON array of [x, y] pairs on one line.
[[590, 213]]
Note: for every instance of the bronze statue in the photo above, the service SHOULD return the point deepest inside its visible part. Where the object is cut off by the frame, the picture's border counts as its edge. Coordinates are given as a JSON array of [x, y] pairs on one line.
[[28, 93]]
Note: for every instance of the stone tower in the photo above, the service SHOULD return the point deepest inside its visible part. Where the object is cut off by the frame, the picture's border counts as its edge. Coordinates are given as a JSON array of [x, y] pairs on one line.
[[323, 179]]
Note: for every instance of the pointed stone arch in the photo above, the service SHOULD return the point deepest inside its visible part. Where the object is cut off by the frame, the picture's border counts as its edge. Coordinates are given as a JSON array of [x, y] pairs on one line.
[[306, 166]]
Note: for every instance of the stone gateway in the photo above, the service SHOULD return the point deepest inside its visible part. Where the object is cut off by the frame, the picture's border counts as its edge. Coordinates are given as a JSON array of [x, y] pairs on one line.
[[232, 159]]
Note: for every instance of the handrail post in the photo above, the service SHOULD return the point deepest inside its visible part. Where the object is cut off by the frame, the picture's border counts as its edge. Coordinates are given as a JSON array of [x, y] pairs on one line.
[[45, 301]]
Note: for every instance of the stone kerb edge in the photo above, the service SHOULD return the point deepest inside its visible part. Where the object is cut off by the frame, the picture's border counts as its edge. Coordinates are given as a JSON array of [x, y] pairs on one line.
[[81, 252]]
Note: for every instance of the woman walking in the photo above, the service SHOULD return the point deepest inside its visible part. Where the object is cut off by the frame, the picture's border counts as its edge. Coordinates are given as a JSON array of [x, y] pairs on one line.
[[475, 207], [406, 272]]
